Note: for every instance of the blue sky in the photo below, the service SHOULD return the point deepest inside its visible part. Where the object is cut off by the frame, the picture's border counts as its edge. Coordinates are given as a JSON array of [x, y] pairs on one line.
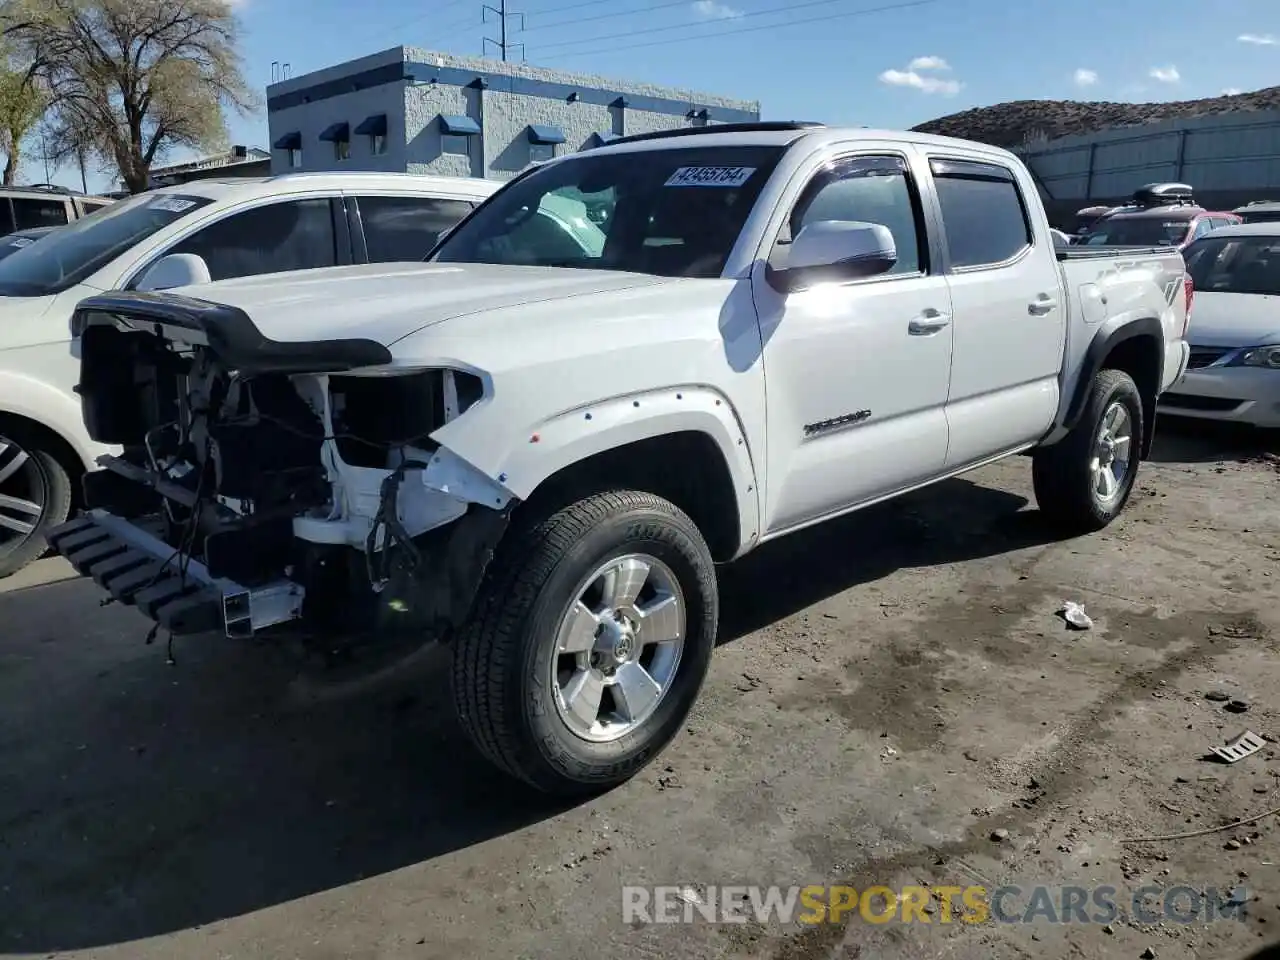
[[874, 62]]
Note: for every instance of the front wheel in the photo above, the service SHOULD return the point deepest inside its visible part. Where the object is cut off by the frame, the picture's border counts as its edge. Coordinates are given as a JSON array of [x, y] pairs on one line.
[[1083, 482], [35, 496], [591, 638]]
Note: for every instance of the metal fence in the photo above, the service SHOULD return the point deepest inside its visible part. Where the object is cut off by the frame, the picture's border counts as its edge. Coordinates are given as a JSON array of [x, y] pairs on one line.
[[1229, 159]]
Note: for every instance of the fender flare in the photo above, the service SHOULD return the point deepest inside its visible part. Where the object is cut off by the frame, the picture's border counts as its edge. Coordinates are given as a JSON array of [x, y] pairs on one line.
[[1103, 343], [575, 435], [51, 408]]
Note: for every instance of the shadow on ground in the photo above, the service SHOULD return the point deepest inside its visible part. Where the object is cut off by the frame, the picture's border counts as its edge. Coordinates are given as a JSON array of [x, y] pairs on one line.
[[1196, 441], [139, 798]]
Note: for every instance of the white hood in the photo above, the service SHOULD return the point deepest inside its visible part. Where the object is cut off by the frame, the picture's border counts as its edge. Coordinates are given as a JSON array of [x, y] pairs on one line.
[[1234, 320], [386, 302]]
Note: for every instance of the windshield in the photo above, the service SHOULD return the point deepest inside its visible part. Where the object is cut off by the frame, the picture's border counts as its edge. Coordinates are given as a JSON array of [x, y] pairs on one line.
[[16, 241], [74, 252], [1235, 264], [673, 213], [1138, 232]]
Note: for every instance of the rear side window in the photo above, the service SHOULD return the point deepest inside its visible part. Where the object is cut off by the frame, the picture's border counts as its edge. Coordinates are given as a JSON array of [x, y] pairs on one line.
[[983, 213], [29, 212], [401, 229]]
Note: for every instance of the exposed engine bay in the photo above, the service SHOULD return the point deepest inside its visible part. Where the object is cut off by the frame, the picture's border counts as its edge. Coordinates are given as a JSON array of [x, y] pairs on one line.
[[252, 494]]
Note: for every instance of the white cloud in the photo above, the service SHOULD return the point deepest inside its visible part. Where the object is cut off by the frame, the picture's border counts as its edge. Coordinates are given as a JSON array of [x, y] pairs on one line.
[[1167, 74], [928, 63], [1085, 78], [1231, 91], [714, 10], [1258, 39], [909, 78]]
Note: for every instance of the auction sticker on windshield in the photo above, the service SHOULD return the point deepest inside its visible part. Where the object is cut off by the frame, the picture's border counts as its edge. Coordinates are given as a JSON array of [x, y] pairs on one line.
[[710, 177], [172, 204]]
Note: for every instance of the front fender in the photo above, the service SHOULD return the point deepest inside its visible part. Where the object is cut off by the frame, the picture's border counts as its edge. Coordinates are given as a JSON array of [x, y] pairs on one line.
[[574, 435], [53, 409]]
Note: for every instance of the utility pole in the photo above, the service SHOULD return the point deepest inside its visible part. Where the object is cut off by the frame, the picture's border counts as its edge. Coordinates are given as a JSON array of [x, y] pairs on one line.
[[501, 43]]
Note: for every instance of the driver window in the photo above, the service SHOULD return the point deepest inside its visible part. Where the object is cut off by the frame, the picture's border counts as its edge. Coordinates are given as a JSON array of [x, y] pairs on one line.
[[568, 226], [869, 190], [297, 235]]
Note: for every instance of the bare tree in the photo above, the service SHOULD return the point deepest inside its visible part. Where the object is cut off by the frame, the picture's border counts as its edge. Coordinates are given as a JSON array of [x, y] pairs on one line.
[[130, 79], [23, 102]]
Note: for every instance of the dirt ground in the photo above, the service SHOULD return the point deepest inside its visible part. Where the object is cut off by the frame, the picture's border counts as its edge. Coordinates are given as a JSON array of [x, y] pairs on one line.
[[891, 691]]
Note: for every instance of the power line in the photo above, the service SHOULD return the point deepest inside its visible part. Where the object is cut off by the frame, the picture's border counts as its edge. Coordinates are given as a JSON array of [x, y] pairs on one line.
[[786, 8], [574, 21], [570, 6], [729, 33], [379, 32]]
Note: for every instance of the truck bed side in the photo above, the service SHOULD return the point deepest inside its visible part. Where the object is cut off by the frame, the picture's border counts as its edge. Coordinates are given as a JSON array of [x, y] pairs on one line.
[[1127, 302]]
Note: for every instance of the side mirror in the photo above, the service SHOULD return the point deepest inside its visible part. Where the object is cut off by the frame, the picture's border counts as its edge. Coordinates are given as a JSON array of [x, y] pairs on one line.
[[835, 250], [175, 270]]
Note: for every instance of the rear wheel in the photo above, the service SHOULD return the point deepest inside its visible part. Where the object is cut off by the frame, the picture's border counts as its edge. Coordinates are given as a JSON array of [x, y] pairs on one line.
[[591, 639], [1083, 482], [35, 495]]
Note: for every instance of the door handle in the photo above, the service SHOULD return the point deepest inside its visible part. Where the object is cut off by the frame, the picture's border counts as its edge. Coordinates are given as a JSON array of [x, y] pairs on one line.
[[1041, 305], [929, 322]]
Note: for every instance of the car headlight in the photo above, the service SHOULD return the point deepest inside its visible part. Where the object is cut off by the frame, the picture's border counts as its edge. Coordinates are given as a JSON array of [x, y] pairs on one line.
[[1265, 356]]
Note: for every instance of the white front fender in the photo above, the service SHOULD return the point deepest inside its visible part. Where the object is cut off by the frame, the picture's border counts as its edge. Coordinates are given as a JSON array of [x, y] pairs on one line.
[[575, 435]]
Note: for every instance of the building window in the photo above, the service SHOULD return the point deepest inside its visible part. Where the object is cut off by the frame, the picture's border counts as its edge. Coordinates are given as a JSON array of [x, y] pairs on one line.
[[455, 144], [341, 150], [541, 151], [378, 144], [295, 158]]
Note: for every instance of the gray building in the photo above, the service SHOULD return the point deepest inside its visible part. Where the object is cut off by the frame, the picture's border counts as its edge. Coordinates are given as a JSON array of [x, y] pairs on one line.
[[1227, 158], [415, 111]]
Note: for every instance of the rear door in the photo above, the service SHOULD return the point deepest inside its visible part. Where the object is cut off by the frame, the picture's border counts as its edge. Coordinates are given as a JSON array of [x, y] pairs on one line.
[[390, 229], [1008, 305]]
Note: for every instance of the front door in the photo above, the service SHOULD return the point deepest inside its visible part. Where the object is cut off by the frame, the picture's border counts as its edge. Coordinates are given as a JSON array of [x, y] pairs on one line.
[[1010, 314], [856, 373]]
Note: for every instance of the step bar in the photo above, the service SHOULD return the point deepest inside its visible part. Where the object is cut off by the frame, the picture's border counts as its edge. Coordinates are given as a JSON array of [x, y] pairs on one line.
[[141, 570]]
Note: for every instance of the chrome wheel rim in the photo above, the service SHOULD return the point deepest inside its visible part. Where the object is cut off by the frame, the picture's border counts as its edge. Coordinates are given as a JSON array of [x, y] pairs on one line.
[[618, 647], [1112, 454], [22, 495]]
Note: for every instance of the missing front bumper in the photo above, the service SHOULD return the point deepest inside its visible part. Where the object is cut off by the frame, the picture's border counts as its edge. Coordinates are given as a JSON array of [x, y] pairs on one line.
[[139, 569]]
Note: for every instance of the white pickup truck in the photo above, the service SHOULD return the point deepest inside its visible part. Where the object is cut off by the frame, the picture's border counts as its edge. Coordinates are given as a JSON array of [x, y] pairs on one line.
[[536, 449]]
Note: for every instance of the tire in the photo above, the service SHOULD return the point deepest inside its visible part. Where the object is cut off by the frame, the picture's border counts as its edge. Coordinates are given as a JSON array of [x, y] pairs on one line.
[[1069, 491], [510, 684], [40, 478]]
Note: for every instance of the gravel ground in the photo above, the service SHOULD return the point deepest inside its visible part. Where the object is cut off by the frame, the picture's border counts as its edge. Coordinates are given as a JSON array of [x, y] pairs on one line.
[[895, 702]]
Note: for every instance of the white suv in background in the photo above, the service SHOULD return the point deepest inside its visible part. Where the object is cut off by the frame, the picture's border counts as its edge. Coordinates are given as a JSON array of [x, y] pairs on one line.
[[200, 231]]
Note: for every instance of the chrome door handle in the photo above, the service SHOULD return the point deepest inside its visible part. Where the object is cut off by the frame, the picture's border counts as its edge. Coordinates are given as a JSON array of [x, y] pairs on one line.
[[928, 322], [1041, 305]]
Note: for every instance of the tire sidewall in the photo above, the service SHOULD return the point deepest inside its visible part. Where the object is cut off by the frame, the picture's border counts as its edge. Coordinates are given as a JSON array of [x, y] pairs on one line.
[[1126, 392], [56, 489], [663, 537]]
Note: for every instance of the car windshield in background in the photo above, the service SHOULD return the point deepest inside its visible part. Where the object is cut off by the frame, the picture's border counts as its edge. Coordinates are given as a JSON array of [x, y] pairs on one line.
[[1138, 232], [20, 241], [78, 250], [1235, 264], [672, 213]]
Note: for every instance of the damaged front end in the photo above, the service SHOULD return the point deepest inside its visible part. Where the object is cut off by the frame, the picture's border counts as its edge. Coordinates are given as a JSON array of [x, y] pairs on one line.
[[267, 485]]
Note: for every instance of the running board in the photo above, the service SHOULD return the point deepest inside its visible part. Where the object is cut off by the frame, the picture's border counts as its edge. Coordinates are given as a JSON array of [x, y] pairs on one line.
[[178, 593]]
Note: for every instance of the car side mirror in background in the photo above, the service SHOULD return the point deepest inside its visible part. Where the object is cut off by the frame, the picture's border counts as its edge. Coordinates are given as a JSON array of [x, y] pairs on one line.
[[175, 270], [835, 250]]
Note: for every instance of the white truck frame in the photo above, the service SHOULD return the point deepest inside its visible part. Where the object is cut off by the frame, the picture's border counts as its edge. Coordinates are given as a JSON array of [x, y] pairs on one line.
[[538, 455]]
